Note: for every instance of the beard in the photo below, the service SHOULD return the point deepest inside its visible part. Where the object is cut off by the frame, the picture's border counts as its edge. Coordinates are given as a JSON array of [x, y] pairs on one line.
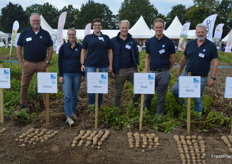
[[201, 38]]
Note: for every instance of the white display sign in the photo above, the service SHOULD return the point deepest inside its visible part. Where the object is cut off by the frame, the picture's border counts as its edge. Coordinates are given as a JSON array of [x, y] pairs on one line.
[[228, 87], [4, 77], [144, 83], [47, 82], [97, 82], [190, 86]]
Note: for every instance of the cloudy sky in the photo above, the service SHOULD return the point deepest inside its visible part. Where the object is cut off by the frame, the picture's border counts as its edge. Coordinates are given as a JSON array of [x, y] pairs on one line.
[[163, 6]]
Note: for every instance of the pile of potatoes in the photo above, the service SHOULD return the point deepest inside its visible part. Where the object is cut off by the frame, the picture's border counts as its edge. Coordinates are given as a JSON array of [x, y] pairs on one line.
[[137, 140], [228, 142], [2, 130], [90, 138], [34, 136], [191, 149]]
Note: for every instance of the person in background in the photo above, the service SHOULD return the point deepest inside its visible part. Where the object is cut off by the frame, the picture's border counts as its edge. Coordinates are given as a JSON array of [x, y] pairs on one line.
[[197, 57], [160, 57], [96, 53], [36, 43], [125, 60], [70, 74]]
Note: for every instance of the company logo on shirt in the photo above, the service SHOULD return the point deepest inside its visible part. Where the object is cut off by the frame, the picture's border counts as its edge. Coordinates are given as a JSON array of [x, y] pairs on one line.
[[76, 49], [204, 50], [41, 37], [163, 46]]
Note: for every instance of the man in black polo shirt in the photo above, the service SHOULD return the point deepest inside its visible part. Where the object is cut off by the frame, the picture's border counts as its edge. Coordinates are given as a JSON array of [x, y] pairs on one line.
[[36, 42], [125, 60], [160, 56], [197, 57]]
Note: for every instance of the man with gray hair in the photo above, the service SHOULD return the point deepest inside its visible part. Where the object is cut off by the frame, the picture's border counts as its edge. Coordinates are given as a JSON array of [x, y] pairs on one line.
[[36, 43], [197, 57], [125, 60]]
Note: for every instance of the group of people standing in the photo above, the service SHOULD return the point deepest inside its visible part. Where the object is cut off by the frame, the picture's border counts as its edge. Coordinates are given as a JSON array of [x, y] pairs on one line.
[[119, 56]]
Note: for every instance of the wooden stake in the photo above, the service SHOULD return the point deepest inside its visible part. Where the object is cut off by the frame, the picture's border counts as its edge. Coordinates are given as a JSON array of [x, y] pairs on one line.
[[188, 112], [96, 107], [141, 113], [1, 103]]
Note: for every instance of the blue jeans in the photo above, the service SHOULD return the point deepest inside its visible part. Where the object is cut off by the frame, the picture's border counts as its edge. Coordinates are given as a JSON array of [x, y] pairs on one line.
[[197, 101], [91, 95], [71, 88]]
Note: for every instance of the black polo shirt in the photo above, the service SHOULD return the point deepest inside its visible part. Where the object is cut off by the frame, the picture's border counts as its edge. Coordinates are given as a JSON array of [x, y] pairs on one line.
[[35, 45], [160, 51], [199, 58], [125, 53], [97, 50]]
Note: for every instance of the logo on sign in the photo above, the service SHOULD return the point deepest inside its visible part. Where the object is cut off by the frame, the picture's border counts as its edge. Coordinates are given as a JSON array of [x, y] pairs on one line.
[[195, 80], [53, 76], [150, 77], [103, 76], [6, 72]]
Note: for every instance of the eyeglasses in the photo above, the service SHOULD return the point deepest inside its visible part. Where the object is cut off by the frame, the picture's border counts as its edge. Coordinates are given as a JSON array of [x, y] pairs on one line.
[[96, 24]]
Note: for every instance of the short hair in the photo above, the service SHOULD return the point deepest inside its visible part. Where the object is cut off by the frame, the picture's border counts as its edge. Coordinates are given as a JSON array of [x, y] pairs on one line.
[[96, 20], [158, 20], [34, 14], [201, 25], [72, 29], [124, 21]]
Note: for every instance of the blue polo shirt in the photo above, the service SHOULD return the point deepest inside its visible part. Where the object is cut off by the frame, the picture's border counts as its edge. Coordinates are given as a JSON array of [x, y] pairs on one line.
[[97, 50], [35, 45], [69, 59], [160, 51], [125, 53], [199, 58]]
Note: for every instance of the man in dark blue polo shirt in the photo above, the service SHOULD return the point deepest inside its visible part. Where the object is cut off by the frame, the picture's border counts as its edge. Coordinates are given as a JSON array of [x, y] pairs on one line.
[[160, 56], [125, 60], [36, 42], [98, 49], [197, 57]]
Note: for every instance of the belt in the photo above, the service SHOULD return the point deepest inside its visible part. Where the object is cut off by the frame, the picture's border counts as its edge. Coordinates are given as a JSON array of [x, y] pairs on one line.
[[126, 67], [35, 61], [159, 69]]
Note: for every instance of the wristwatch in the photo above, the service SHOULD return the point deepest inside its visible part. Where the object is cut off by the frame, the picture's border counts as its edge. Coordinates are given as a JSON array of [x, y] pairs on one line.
[[47, 61], [214, 78]]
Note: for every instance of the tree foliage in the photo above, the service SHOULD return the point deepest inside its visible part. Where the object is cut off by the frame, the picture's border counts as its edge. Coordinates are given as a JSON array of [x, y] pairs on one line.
[[178, 10], [92, 10], [133, 9], [11, 13], [71, 16]]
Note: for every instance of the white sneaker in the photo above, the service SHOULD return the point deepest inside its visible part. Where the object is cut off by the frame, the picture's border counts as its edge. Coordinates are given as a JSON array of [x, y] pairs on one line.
[[74, 116], [70, 121]]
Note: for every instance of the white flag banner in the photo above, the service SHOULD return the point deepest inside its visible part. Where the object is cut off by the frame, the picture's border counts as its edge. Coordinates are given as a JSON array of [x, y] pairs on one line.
[[209, 22], [87, 29], [218, 33], [229, 42], [183, 36], [14, 33], [61, 23]]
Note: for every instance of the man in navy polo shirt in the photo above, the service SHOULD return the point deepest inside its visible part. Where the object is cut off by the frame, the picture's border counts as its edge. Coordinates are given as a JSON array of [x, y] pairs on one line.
[[160, 56], [125, 60], [197, 57], [98, 48], [36, 42]]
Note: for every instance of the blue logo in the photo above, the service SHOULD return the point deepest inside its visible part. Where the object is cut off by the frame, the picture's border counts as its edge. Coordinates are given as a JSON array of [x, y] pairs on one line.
[[103, 76], [53, 76], [76, 49], [163, 45], [41, 37], [150, 77], [195, 80], [204, 50], [6, 72]]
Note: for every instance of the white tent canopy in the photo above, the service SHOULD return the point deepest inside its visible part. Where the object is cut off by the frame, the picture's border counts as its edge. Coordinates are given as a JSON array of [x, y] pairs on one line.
[[225, 38], [174, 29], [140, 30]]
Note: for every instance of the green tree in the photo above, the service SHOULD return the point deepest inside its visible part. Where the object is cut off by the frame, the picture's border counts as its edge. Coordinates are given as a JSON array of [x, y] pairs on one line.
[[178, 10], [71, 16], [133, 9], [201, 10], [92, 10], [225, 16], [10, 13]]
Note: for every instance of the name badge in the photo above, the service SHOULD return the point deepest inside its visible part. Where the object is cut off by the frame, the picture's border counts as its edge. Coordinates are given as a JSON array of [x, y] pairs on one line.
[[162, 51], [101, 38], [128, 46], [201, 55], [29, 39]]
